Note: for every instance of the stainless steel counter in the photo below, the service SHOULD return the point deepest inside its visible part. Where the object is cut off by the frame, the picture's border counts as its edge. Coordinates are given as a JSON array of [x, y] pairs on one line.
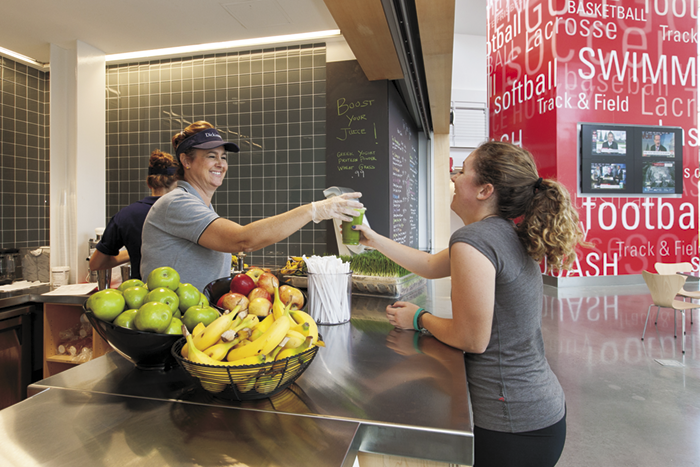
[[35, 295], [368, 390], [74, 428]]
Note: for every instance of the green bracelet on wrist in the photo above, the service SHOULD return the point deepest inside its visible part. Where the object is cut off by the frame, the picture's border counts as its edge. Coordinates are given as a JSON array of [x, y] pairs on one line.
[[416, 337], [415, 319], [422, 328]]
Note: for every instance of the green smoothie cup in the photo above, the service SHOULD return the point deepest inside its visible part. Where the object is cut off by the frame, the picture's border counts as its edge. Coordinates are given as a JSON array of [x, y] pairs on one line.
[[352, 237]]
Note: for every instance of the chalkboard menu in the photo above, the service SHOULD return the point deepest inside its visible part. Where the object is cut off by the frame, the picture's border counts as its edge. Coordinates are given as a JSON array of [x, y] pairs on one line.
[[372, 147]]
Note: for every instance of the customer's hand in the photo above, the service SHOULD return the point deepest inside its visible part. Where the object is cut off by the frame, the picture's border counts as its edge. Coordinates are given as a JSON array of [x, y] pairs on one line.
[[368, 236], [340, 207], [400, 314]]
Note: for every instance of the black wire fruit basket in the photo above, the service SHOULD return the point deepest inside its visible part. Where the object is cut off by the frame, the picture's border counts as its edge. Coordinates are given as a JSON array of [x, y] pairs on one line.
[[247, 382]]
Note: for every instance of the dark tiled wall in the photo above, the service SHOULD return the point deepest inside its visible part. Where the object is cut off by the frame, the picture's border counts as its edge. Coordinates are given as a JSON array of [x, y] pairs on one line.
[[271, 102], [24, 155]]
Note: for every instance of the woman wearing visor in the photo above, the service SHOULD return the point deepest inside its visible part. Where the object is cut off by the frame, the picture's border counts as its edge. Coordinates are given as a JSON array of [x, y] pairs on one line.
[[184, 232]]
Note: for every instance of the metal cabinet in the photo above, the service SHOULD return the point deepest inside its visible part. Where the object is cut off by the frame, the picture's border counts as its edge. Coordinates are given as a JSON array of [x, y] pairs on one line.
[[15, 353]]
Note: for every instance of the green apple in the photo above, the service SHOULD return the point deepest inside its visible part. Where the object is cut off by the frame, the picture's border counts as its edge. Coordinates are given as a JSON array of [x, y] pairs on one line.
[[175, 326], [106, 304], [199, 314], [164, 295], [203, 300], [126, 319], [189, 295], [163, 277], [131, 283], [153, 317], [135, 296]]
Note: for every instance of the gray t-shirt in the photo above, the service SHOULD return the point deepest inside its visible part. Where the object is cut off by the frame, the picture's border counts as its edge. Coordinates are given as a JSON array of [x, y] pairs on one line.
[[511, 386], [170, 235]]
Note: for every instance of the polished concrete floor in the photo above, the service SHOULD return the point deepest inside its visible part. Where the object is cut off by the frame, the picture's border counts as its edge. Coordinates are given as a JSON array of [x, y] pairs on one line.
[[630, 402]]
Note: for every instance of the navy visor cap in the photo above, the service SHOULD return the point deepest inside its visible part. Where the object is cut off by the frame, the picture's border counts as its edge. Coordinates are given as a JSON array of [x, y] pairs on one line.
[[206, 139]]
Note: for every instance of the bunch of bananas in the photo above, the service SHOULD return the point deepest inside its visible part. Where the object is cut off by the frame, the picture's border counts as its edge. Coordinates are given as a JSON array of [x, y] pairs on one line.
[[295, 266], [238, 339]]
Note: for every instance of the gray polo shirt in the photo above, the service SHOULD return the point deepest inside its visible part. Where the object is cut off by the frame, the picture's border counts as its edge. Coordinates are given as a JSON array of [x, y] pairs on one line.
[[170, 235]]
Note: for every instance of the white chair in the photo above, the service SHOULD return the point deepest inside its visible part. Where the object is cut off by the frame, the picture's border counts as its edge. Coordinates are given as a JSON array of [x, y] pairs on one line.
[[664, 289], [675, 268]]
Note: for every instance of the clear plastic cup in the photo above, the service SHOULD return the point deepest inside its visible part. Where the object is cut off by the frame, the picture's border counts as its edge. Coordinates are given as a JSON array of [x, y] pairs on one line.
[[330, 297], [352, 237]]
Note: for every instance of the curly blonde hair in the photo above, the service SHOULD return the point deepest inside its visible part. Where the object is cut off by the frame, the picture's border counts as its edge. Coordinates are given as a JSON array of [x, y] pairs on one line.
[[546, 221]]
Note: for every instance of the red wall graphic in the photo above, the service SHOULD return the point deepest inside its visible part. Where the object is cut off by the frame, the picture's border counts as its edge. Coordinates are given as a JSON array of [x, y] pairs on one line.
[[555, 63]]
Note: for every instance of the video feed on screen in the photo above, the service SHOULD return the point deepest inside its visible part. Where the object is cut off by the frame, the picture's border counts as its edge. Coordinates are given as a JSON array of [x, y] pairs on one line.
[[658, 143], [608, 176], [659, 177], [608, 142]]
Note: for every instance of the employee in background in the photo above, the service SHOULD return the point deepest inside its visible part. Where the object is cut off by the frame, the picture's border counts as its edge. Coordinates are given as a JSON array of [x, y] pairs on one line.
[[124, 229], [184, 232], [517, 401], [610, 143], [657, 146]]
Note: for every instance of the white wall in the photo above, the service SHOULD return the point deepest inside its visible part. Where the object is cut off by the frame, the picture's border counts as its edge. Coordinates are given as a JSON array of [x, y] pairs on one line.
[[469, 80], [77, 143], [469, 84]]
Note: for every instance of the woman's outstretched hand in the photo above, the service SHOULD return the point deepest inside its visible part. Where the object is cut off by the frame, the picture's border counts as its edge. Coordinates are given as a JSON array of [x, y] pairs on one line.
[[341, 207]]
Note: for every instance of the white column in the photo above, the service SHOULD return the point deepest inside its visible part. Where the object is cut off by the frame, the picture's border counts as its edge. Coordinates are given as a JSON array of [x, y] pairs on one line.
[[77, 145]]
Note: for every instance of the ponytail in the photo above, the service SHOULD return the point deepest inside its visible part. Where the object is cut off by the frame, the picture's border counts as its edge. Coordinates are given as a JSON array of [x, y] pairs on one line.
[[546, 221]]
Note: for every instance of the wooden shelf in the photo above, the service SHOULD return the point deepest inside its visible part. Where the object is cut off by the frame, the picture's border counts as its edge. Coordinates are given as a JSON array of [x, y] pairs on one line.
[[60, 359], [57, 318]]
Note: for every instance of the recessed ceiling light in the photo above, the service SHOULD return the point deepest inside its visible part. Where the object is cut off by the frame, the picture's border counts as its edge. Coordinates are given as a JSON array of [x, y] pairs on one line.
[[189, 49], [24, 58]]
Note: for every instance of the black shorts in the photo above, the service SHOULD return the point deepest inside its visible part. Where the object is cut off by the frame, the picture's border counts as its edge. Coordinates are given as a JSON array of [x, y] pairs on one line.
[[539, 448]]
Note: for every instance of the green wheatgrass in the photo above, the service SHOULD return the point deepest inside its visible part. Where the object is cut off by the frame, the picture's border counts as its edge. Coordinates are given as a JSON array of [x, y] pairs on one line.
[[374, 263]]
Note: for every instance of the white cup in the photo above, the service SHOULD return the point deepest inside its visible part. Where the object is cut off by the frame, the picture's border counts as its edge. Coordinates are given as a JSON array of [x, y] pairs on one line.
[[60, 275]]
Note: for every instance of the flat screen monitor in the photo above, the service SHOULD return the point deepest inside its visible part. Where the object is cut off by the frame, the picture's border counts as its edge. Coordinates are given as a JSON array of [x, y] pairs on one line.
[[623, 160], [659, 177], [658, 144], [608, 176], [608, 142]]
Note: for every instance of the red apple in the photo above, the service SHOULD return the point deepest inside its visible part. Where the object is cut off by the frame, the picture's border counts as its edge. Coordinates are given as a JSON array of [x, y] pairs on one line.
[[268, 281], [230, 300], [260, 306], [289, 294], [259, 292], [255, 273], [242, 284]]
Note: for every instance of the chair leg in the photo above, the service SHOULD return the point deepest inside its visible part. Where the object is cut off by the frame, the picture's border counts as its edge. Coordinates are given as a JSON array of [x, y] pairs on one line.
[[656, 321], [683, 327], [647, 320], [675, 333]]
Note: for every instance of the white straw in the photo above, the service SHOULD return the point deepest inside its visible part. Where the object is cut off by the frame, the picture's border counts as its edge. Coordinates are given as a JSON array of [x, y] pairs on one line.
[[328, 289]]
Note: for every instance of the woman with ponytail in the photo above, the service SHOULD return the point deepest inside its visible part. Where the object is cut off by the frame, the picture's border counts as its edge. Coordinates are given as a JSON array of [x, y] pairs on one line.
[[124, 229], [513, 219]]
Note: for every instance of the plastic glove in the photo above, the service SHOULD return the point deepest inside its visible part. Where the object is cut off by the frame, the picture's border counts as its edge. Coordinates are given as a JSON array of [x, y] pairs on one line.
[[337, 207]]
